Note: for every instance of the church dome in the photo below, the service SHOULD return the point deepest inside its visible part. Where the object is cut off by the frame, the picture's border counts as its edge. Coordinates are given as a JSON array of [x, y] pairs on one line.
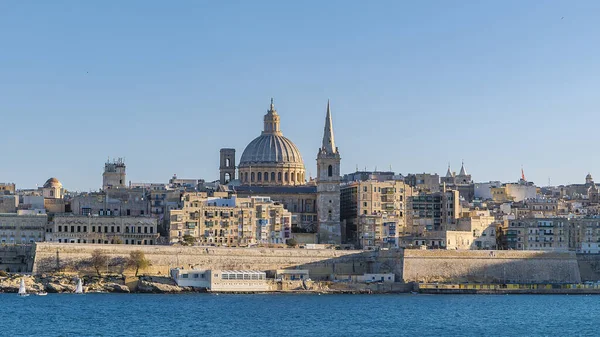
[[271, 159], [52, 182], [271, 149]]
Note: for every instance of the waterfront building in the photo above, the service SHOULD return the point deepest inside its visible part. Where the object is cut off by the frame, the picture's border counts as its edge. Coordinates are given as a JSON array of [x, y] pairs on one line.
[[113, 202], [292, 274], [229, 221], [221, 280], [9, 203], [107, 229], [374, 203], [482, 225], [22, 229]]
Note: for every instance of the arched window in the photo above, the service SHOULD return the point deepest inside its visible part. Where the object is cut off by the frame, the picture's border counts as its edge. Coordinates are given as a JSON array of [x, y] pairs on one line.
[[292, 176], [252, 176], [266, 176], [227, 162], [246, 177], [272, 176], [286, 177], [298, 177], [259, 176], [330, 171], [278, 176], [227, 177], [329, 216]]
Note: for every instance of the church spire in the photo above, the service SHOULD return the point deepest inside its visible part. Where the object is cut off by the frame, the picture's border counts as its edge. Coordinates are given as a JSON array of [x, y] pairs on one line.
[[448, 173], [328, 141], [463, 172]]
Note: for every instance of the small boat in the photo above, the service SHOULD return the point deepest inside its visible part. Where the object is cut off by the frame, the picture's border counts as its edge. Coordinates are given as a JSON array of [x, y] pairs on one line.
[[22, 290], [414, 293], [42, 293], [79, 288]]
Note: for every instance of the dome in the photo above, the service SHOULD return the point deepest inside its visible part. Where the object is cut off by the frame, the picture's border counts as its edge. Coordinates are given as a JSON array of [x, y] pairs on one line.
[[52, 182], [271, 148]]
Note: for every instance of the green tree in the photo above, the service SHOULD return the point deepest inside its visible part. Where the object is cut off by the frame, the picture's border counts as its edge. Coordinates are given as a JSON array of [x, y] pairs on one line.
[[292, 242], [137, 260], [99, 260], [188, 240]]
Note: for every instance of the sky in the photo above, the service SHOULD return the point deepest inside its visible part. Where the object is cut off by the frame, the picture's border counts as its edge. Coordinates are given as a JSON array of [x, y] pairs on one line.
[[413, 86]]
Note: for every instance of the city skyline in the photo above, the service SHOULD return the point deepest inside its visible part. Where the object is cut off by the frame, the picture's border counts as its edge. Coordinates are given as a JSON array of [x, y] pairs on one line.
[[411, 86]]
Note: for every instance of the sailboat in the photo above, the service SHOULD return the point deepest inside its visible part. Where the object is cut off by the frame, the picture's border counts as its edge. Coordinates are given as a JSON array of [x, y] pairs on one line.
[[79, 288], [22, 290]]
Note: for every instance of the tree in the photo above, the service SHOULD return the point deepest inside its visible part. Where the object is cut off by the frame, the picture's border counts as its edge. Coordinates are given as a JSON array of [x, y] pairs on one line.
[[188, 240], [99, 260], [137, 260], [292, 242]]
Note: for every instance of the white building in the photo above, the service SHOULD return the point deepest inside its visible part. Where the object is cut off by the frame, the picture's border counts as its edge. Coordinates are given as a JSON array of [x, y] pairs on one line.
[[221, 280]]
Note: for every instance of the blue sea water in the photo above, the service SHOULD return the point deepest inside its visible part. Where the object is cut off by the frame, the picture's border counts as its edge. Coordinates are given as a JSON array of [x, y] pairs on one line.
[[299, 315]]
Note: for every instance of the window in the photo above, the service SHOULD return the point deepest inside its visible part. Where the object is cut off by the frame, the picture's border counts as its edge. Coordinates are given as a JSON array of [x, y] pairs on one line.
[[266, 176], [286, 177], [60, 228], [252, 176], [272, 176], [259, 176], [196, 275], [78, 229], [278, 176], [330, 171], [185, 276]]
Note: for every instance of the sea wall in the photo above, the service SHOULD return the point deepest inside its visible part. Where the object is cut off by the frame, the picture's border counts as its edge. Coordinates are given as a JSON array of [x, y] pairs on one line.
[[490, 266], [321, 263], [449, 266]]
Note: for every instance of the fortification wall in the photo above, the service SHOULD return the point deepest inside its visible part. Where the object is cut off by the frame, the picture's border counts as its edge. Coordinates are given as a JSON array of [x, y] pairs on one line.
[[589, 267], [321, 263], [490, 266]]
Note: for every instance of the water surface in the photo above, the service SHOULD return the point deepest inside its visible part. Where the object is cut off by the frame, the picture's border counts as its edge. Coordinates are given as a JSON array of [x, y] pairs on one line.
[[299, 315]]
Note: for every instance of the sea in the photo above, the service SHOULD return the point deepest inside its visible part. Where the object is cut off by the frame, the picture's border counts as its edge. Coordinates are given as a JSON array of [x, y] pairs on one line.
[[299, 315]]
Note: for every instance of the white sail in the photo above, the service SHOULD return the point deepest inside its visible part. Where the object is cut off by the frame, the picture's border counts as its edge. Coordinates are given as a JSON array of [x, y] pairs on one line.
[[79, 288], [22, 290]]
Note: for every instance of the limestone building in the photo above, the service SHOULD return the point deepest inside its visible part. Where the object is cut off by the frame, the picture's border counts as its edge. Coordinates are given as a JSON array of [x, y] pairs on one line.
[[270, 159], [114, 174], [52, 191], [375, 203], [328, 186], [229, 220], [22, 229], [271, 165], [102, 230]]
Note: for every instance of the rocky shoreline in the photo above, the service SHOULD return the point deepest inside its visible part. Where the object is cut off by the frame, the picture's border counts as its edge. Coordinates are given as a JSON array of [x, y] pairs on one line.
[[66, 283]]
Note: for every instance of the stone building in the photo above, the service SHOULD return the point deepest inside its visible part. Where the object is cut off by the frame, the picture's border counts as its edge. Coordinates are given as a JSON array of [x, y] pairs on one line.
[[229, 221], [22, 229], [128, 230], [434, 211], [425, 182], [7, 188], [271, 165], [328, 186], [271, 159], [376, 200], [380, 230], [114, 202], [114, 174], [52, 191]]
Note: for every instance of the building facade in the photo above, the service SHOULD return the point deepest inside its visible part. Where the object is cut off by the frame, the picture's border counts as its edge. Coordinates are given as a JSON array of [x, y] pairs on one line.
[[22, 229], [230, 221], [102, 230]]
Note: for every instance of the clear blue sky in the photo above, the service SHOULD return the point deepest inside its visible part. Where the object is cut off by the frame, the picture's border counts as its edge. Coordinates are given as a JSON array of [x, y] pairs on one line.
[[414, 85]]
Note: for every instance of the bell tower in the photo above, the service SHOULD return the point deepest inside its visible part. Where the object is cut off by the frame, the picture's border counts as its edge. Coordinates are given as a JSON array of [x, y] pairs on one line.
[[328, 186], [227, 166]]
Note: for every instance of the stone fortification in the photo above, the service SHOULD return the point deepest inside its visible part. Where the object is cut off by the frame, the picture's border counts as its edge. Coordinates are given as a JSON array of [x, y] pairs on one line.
[[490, 266], [320, 262]]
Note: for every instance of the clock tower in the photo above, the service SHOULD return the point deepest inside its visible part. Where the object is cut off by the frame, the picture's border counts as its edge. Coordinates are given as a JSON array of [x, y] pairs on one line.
[[328, 187]]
